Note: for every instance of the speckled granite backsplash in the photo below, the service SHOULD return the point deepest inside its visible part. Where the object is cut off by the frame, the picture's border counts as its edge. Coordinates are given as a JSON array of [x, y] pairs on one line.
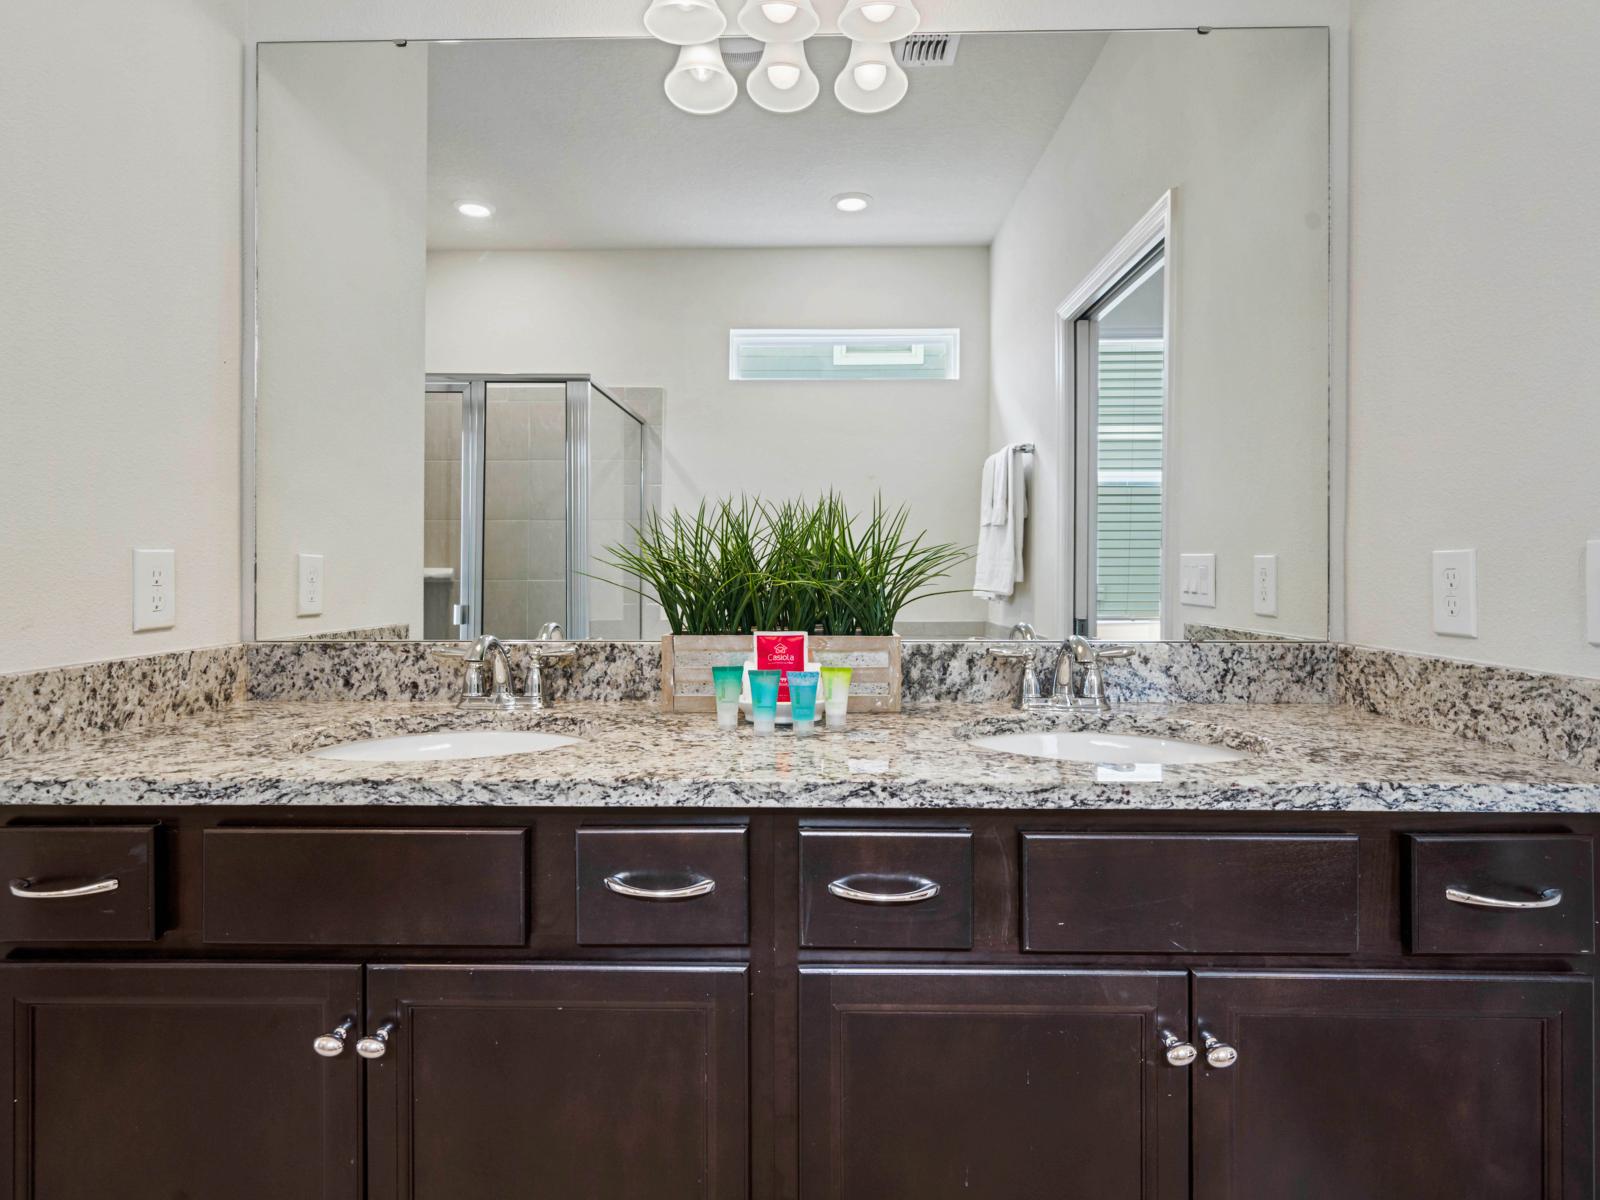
[[40, 710], [1552, 716], [1165, 672]]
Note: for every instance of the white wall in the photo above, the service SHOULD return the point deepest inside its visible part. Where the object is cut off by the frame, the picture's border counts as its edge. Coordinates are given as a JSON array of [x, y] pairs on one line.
[[1474, 360], [119, 321], [661, 319], [342, 228], [1236, 123]]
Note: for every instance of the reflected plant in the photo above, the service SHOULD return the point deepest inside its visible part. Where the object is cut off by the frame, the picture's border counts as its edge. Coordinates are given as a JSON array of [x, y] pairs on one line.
[[739, 566]]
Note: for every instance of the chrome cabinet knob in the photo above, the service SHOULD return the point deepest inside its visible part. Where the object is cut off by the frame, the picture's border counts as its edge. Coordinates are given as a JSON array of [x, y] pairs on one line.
[[331, 1045], [1218, 1053], [1179, 1052], [375, 1045]]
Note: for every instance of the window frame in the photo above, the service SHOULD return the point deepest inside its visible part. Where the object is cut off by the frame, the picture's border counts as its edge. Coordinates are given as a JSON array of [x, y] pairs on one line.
[[740, 338]]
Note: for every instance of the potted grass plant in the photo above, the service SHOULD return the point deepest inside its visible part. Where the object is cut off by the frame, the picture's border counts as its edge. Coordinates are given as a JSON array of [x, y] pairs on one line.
[[732, 567]]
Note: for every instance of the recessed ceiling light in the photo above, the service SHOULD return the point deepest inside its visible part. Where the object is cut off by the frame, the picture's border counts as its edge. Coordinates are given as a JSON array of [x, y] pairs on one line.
[[472, 208], [852, 202]]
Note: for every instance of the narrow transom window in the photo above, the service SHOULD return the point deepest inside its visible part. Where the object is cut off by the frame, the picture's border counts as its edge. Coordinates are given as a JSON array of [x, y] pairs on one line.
[[821, 354]]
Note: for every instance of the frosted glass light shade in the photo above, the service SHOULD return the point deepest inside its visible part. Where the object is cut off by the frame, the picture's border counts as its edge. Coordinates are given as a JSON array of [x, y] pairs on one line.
[[879, 20], [779, 20], [701, 83], [783, 82], [871, 82], [685, 22]]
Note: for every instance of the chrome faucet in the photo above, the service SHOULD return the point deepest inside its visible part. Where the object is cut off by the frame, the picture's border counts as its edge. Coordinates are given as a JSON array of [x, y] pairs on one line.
[[1079, 680], [488, 654]]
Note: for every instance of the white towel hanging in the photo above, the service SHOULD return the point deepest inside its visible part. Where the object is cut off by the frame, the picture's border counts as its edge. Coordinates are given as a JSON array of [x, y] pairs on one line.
[[1003, 507]]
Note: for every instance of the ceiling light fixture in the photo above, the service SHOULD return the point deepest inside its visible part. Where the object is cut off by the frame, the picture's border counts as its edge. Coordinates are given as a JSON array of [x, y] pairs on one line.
[[779, 20], [852, 202], [879, 20], [701, 83], [475, 208], [871, 82], [783, 82], [685, 22]]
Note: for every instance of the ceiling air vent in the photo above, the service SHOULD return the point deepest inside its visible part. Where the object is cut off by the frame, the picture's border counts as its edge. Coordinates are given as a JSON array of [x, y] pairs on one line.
[[927, 49]]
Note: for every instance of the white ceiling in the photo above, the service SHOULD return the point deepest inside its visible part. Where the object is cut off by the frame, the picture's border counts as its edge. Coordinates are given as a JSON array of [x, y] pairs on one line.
[[575, 145]]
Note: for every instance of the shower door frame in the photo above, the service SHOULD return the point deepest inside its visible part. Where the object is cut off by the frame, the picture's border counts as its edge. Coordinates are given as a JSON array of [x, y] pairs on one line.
[[579, 396]]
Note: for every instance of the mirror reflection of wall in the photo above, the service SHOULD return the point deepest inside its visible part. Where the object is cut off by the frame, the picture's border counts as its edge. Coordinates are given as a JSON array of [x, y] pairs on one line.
[[539, 209]]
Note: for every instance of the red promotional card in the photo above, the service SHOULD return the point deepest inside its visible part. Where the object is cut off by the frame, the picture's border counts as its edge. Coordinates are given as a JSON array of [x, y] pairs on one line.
[[781, 652]]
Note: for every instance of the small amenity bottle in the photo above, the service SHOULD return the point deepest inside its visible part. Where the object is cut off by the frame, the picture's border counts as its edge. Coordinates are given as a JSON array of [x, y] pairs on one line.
[[729, 681], [803, 700], [835, 695], [764, 700]]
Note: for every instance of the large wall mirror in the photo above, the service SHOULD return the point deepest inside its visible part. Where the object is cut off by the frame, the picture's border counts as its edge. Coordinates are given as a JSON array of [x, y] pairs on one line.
[[512, 302]]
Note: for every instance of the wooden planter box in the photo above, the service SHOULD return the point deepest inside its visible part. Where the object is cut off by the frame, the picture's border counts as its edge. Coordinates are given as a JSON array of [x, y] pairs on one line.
[[687, 659]]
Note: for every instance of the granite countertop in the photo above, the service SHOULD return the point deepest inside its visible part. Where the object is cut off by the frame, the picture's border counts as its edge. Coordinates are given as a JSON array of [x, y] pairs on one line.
[[1298, 757]]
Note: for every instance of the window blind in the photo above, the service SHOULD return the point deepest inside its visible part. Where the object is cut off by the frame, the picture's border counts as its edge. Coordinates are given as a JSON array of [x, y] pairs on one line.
[[1131, 383]]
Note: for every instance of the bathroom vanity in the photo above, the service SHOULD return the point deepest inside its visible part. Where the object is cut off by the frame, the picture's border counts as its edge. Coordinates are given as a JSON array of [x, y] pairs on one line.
[[319, 979]]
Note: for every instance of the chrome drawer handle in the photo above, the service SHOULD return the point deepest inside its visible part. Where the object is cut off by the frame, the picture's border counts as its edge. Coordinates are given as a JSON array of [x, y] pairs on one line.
[[331, 1045], [23, 889], [1548, 898], [376, 1045], [703, 885], [845, 889]]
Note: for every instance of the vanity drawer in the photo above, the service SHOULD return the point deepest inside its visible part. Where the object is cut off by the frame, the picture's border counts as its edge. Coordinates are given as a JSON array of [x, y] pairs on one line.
[[1467, 891], [886, 890], [116, 861], [366, 887], [647, 886], [1190, 893]]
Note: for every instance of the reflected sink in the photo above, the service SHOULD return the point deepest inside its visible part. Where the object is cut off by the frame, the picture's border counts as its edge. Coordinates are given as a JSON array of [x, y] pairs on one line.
[[1090, 746], [446, 744]]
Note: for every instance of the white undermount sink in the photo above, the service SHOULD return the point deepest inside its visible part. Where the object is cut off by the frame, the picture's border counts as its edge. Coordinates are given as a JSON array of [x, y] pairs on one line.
[[1090, 746], [444, 745]]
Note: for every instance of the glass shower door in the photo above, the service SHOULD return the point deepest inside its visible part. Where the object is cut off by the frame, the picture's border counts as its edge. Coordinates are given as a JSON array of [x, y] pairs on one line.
[[616, 494], [524, 508], [536, 477]]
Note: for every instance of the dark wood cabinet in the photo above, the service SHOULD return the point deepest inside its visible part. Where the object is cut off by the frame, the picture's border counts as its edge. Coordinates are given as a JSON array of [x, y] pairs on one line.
[[1395, 1085], [980, 1009], [628, 1083], [991, 1085], [180, 1080]]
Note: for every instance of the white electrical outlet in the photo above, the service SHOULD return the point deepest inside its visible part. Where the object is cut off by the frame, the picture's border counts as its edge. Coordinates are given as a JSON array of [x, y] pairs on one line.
[[155, 589], [1592, 573], [1455, 593], [1197, 580], [310, 602], [1264, 585]]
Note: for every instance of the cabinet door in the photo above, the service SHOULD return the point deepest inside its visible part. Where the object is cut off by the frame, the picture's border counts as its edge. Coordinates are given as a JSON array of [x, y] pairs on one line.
[[627, 1083], [991, 1085], [153, 1082], [1471, 1087]]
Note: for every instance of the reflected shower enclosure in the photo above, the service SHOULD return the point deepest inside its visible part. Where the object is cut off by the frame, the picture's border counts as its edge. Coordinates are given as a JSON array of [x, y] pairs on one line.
[[528, 479]]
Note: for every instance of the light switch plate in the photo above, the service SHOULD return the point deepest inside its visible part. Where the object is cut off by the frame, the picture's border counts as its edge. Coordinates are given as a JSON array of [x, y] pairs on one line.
[[1197, 580], [310, 591], [1455, 593], [1264, 585], [155, 589], [1592, 599]]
